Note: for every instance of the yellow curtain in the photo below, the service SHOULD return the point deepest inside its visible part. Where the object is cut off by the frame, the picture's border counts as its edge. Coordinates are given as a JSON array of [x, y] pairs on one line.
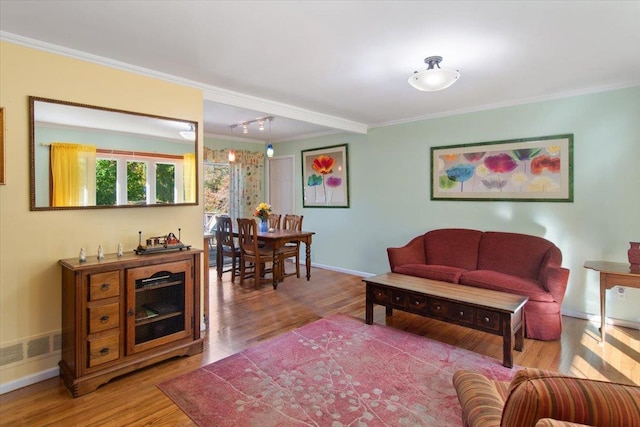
[[189, 167], [73, 174]]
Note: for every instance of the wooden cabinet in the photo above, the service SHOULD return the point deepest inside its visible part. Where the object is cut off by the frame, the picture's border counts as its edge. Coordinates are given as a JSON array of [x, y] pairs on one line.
[[120, 314]]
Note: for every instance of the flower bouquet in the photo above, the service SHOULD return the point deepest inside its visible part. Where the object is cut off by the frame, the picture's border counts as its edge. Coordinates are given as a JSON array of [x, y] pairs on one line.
[[262, 212]]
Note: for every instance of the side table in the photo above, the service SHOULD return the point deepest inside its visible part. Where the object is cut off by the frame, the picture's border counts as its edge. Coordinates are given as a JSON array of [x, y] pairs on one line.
[[612, 274]]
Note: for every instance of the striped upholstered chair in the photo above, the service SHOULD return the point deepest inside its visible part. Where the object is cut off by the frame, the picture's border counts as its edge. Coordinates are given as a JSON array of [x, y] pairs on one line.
[[537, 398]]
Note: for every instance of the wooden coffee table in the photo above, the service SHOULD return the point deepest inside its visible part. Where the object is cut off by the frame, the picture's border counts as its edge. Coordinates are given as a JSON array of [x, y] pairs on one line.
[[497, 313]]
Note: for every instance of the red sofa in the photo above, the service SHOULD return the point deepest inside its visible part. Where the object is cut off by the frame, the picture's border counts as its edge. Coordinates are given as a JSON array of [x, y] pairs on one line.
[[508, 262]]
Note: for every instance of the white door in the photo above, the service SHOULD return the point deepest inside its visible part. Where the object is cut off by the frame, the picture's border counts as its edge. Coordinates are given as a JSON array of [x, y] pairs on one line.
[[280, 187]]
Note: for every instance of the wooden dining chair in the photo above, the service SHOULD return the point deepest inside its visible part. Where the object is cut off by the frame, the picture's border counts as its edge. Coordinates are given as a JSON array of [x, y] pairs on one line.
[[253, 258], [226, 246], [274, 221], [291, 250]]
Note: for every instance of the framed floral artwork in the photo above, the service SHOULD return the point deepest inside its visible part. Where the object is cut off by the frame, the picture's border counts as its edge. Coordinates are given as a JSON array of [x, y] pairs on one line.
[[325, 177], [529, 169]]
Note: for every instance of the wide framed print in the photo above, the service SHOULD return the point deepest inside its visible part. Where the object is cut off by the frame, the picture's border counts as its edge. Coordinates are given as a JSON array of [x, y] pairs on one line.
[[528, 169], [325, 177]]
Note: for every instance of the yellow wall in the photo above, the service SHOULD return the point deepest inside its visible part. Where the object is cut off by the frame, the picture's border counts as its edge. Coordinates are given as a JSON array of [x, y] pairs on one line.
[[32, 242]]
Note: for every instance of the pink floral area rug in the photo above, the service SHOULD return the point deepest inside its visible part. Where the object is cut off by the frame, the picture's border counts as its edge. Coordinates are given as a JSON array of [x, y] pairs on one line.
[[336, 371]]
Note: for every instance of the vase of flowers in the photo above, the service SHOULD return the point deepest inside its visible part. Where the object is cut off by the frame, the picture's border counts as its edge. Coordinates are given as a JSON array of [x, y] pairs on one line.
[[262, 212]]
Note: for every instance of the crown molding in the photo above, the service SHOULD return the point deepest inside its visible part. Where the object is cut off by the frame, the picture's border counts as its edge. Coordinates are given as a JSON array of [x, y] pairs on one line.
[[210, 93], [513, 103]]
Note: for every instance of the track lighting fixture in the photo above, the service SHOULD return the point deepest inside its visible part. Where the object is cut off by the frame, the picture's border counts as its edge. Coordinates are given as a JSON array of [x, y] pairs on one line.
[[261, 123]]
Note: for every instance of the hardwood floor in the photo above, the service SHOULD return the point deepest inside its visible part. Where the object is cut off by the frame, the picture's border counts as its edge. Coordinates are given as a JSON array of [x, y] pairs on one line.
[[242, 317]]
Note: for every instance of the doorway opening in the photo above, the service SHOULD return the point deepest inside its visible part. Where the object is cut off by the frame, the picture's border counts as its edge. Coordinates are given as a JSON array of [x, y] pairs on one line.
[[217, 200]]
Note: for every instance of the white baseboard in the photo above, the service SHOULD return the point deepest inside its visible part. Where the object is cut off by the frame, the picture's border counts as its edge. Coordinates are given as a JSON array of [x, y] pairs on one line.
[[595, 318], [29, 380], [341, 270]]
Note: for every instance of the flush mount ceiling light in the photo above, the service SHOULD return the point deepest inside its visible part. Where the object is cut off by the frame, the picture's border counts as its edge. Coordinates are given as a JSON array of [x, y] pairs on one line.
[[189, 134], [433, 78]]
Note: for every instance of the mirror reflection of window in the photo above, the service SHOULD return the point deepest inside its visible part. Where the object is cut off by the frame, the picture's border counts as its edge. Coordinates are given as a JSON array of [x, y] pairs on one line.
[[128, 179], [138, 159]]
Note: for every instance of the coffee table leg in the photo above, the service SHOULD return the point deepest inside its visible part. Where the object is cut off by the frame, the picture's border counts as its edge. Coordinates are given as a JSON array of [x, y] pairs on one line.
[[368, 318], [507, 334], [519, 344]]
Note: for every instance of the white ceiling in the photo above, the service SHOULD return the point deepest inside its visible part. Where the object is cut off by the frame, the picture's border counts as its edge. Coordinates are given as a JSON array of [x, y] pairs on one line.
[[327, 65]]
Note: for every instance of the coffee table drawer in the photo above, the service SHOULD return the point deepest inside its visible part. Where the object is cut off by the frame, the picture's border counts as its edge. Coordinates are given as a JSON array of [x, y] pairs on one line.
[[488, 320], [380, 295], [461, 313], [417, 302], [399, 298], [438, 308]]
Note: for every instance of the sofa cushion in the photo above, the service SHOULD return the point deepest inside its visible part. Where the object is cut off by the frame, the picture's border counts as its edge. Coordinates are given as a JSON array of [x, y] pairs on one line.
[[512, 253], [453, 247], [434, 272], [506, 283]]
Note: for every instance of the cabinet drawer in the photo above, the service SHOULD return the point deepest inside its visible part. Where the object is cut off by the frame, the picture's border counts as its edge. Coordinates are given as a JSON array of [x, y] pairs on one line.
[[104, 285], [103, 349], [461, 313], [104, 317], [488, 320]]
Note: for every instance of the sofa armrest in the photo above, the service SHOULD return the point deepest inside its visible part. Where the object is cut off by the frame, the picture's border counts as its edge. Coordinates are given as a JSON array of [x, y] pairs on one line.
[[555, 281], [575, 400], [481, 398], [411, 253]]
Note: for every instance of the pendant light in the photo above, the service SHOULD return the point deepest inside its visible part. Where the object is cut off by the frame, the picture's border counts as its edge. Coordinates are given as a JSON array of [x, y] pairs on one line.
[[433, 78], [270, 150]]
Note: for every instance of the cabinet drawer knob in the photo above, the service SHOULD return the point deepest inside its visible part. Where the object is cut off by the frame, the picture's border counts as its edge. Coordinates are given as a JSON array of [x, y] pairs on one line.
[[104, 351], [486, 319], [131, 312], [461, 313], [438, 307], [104, 319], [104, 287], [397, 298], [416, 302]]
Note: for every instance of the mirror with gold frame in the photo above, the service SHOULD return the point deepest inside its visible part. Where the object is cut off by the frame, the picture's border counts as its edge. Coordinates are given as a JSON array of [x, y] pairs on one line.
[[89, 157]]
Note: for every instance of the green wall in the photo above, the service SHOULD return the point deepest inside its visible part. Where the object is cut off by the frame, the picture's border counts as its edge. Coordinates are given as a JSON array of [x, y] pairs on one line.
[[389, 190]]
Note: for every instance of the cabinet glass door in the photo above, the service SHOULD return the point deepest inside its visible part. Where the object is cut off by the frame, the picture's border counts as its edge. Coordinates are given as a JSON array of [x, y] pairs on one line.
[[158, 305]]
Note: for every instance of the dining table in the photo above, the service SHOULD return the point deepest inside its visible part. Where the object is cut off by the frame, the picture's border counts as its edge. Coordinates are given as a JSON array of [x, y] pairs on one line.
[[275, 240]]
